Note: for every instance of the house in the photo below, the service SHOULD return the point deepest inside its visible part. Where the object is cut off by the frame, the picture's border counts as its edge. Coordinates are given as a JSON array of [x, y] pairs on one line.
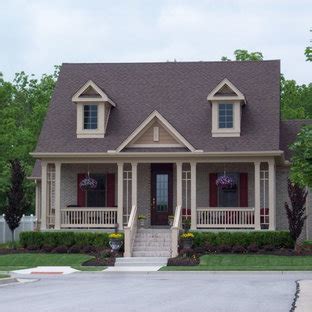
[[156, 139]]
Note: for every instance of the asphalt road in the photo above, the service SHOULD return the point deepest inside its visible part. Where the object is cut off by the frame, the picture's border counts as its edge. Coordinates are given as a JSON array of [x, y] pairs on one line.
[[158, 291]]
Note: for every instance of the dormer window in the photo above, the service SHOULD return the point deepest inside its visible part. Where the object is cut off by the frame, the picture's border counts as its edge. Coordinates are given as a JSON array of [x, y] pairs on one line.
[[90, 116], [226, 102], [93, 110], [225, 116]]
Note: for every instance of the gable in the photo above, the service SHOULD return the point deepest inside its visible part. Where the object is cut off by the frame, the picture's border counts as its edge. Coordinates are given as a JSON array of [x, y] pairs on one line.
[[154, 132], [225, 90]]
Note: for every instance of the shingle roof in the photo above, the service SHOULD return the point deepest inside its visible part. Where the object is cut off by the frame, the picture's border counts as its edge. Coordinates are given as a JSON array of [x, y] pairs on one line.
[[176, 90], [289, 131]]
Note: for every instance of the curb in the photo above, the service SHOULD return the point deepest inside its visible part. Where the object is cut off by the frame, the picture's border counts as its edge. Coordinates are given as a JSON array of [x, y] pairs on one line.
[[8, 280]]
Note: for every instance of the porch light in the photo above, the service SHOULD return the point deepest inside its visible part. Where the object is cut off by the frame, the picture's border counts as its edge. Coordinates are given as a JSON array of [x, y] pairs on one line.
[[225, 182]]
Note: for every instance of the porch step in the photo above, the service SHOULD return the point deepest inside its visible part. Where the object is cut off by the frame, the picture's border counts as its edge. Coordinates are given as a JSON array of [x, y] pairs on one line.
[[141, 261], [152, 243]]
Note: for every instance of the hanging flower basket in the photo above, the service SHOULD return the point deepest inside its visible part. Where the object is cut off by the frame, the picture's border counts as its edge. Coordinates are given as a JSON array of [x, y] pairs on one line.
[[226, 182], [88, 184]]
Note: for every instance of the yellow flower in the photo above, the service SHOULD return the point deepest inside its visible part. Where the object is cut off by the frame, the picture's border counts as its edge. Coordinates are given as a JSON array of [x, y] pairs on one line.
[[115, 236], [187, 235]]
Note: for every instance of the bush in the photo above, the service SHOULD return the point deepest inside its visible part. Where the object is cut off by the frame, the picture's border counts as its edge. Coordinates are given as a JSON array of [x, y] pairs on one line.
[[47, 249], [224, 248], [253, 248], [68, 239], [238, 249], [60, 249], [278, 239], [88, 249], [74, 249], [268, 248]]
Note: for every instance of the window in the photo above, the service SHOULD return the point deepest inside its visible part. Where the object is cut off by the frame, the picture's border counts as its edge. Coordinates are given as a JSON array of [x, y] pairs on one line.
[[90, 113], [229, 197], [97, 197], [225, 116]]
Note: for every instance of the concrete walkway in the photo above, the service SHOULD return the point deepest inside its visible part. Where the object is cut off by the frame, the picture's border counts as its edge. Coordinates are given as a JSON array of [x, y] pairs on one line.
[[48, 270], [304, 300], [132, 269]]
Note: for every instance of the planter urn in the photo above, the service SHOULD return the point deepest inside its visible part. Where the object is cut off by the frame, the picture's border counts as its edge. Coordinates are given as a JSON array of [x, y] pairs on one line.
[[115, 244]]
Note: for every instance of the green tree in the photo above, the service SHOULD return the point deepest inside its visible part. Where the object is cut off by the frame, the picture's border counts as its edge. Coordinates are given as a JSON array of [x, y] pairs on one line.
[[301, 169], [244, 55], [308, 52], [23, 105]]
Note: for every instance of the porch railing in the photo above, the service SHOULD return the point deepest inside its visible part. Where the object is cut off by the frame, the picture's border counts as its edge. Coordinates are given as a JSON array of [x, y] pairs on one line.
[[214, 217], [103, 217], [130, 231], [175, 231]]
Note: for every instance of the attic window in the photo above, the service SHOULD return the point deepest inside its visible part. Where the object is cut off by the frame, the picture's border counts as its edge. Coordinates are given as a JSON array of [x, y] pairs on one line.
[[90, 115], [225, 116]]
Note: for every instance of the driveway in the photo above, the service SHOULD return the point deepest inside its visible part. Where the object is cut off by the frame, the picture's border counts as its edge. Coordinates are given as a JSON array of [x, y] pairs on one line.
[[159, 291]]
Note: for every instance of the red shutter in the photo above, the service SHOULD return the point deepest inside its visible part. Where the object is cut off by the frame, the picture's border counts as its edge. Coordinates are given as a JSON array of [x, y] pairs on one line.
[[243, 191], [110, 190], [213, 190], [81, 195]]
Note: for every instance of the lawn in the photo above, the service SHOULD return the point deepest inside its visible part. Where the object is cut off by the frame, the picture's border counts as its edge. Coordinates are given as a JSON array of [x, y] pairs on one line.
[[27, 260], [4, 276], [230, 262]]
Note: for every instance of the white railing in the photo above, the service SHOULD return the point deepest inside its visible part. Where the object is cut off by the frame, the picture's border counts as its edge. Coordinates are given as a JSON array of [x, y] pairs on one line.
[[175, 231], [88, 217], [214, 217], [130, 231], [27, 224]]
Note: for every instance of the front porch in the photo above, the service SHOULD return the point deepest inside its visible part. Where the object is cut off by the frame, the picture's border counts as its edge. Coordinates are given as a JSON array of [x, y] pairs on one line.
[[154, 188]]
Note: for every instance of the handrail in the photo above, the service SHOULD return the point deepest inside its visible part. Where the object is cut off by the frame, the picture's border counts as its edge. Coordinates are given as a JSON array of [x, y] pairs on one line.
[[175, 230], [130, 231]]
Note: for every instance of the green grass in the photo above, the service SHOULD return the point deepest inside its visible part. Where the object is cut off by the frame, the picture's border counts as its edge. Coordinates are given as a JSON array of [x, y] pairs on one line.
[[4, 276], [27, 260], [230, 262], [89, 268]]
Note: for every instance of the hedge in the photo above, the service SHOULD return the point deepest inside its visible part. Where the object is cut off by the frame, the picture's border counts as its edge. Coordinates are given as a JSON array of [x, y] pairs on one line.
[[68, 239], [278, 239]]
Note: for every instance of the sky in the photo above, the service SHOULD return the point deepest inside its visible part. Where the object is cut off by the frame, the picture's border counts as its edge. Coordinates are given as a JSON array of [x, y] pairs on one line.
[[37, 34]]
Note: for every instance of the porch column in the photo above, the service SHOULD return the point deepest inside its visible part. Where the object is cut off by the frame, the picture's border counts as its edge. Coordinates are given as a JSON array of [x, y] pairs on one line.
[[193, 197], [179, 183], [134, 186], [57, 224], [44, 171], [272, 195], [257, 195], [120, 196]]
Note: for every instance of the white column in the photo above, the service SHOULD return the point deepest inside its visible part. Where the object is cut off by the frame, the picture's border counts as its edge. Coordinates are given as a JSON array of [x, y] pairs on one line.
[[57, 225], [193, 197], [44, 167], [179, 183], [134, 186], [120, 196], [257, 195], [272, 195]]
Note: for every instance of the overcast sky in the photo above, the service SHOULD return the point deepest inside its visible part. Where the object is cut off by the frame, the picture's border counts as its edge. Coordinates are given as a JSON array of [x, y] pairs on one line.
[[35, 35]]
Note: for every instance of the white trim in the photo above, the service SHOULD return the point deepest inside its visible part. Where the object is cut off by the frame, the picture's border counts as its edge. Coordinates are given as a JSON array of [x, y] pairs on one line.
[[156, 145], [165, 123], [239, 95], [103, 96]]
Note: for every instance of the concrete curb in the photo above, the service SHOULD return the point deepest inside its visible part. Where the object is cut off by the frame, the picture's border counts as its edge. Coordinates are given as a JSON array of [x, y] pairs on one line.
[[303, 296], [8, 280]]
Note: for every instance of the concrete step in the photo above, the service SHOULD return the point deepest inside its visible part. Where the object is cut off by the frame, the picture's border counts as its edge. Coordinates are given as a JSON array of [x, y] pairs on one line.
[[154, 253], [141, 261], [139, 248], [152, 244]]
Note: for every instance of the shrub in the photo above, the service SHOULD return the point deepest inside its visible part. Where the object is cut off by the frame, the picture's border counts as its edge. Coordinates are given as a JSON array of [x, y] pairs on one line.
[[278, 239], [209, 248], [88, 249], [46, 248], [67, 239], [238, 249], [60, 249], [74, 249], [187, 252], [224, 248], [253, 248], [268, 248]]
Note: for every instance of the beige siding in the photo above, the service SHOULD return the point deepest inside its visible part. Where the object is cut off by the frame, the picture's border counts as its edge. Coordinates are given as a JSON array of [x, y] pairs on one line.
[[148, 136]]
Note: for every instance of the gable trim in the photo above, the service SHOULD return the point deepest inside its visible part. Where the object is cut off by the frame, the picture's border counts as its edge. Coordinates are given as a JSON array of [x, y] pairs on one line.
[[167, 125], [103, 96], [239, 95]]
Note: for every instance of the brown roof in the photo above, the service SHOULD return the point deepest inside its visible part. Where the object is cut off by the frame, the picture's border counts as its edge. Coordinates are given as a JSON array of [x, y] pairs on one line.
[[176, 90], [289, 131]]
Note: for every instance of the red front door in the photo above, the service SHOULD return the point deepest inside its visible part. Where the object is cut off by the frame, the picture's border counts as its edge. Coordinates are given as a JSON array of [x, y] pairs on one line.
[[162, 188]]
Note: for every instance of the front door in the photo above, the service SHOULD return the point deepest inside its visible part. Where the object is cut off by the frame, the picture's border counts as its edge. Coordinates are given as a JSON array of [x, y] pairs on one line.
[[162, 188]]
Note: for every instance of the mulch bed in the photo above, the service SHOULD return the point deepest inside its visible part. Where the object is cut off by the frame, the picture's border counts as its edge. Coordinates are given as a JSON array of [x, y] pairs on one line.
[[183, 261]]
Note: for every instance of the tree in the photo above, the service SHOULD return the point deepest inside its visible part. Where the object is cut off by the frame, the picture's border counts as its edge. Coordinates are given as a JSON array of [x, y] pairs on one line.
[[301, 169], [296, 213], [308, 52], [244, 55], [16, 202]]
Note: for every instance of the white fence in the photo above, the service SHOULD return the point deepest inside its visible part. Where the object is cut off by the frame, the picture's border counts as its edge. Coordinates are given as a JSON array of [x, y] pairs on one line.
[[27, 224]]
